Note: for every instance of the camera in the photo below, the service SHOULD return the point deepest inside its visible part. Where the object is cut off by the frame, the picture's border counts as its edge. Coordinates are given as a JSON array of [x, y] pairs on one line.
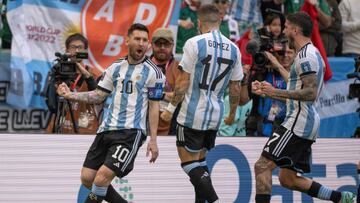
[[64, 69], [354, 89], [268, 43]]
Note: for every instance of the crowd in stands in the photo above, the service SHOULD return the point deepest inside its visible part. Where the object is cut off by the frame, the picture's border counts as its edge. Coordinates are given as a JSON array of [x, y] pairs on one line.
[[338, 25]]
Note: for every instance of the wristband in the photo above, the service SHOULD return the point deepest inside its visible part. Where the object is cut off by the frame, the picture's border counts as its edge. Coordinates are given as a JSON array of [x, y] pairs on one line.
[[171, 108]]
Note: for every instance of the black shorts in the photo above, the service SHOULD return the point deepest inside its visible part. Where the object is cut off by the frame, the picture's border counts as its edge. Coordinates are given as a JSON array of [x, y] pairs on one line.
[[288, 150], [116, 150], [195, 140]]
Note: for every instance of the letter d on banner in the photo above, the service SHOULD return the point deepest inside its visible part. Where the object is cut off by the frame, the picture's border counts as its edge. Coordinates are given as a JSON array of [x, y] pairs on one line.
[[143, 9]]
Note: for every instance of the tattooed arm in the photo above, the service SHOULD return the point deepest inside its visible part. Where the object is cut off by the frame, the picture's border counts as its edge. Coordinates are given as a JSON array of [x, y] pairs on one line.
[[181, 86], [234, 98], [308, 92], [92, 97]]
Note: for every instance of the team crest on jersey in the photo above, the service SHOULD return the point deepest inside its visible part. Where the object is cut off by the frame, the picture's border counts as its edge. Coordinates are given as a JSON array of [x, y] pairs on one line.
[[138, 77], [105, 24]]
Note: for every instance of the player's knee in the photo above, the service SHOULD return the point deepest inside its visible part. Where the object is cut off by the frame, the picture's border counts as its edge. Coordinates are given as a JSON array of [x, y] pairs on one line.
[[259, 167], [104, 176], [87, 178], [286, 180]]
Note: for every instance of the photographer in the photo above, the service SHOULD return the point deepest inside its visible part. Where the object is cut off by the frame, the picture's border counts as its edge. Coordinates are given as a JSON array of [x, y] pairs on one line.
[[81, 117], [272, 60], [267, 114]]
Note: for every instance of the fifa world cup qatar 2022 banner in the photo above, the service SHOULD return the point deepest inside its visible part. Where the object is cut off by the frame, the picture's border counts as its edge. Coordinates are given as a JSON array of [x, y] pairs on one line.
[[40, 28]]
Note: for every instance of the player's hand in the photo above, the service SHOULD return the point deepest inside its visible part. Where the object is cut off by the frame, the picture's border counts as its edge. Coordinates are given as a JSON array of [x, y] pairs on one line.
[[166, 116], [267, 88], [256, 88], [186, 24], [229, 120], [63, 90], [153, 149]]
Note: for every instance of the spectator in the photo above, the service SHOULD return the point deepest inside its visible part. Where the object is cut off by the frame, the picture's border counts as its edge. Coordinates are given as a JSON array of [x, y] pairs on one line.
[[247, 13], [268, 114], [322, 8], [84, 117], [331, 36], [229, 27], [349, 10], [188, 24], [163, 45]]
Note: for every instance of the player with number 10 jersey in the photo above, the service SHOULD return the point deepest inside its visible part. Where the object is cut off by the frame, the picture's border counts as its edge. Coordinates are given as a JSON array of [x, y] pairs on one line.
[[212, 60]]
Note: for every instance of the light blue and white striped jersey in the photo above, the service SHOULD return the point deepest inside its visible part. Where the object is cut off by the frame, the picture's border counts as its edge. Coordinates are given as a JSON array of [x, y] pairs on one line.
[[246, 10], [131, 86], [212, 61], [301, 116]]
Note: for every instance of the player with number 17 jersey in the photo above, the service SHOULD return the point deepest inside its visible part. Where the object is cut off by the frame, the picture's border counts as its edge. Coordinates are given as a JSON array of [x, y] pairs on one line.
[[212, 60]]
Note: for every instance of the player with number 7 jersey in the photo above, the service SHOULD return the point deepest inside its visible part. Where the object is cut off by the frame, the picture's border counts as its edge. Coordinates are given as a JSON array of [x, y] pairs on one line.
[[212, 61]]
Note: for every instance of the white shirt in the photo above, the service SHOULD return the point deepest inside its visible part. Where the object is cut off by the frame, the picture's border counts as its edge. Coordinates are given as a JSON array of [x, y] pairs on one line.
[[349, 10]]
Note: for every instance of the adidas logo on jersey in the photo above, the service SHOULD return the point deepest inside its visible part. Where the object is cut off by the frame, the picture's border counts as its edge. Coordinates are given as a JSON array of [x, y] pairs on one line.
[[266, 149], [117, 164]]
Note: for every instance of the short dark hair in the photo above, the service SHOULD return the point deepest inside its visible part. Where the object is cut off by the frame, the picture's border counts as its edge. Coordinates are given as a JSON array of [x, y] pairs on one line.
[[209, 14], [74, 37], [137, 26], [302, 20]]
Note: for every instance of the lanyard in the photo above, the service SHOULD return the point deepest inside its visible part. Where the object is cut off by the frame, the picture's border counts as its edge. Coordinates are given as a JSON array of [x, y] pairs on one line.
[[274, 81], [73, 86]]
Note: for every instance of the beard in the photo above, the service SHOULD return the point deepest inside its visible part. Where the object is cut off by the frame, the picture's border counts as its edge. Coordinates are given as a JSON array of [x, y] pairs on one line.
[[136, 54], [162, 56], [291, 41]]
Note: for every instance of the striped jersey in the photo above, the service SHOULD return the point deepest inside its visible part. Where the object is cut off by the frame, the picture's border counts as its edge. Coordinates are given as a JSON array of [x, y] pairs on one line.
[[301, 116], [212, 60], [131, 86], [246, 10]]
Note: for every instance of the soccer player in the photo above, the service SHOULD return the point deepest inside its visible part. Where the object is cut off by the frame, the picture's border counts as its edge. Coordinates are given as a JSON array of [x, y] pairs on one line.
[[209, 64], [135, 85], [289, 147]]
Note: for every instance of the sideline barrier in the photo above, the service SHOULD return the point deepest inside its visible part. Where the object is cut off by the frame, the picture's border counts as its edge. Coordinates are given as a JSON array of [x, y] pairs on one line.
[[46, 168]]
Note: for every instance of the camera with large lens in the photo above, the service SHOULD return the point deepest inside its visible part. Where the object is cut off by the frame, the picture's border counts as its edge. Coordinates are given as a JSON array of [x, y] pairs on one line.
[[354, 88], [65, 67], [269, 44]]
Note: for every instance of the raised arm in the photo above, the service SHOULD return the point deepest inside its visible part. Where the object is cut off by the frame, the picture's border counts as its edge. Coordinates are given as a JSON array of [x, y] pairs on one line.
[[96, 96]]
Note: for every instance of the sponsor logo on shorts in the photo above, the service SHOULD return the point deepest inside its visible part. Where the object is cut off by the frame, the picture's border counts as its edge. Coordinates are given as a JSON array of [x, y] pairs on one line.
[[117, 164]]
